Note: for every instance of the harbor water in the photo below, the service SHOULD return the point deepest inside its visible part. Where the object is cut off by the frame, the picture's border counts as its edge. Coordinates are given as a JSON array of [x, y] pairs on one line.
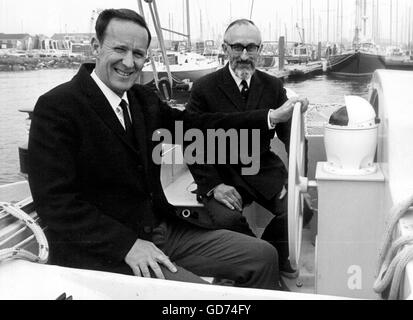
[[20, 90]]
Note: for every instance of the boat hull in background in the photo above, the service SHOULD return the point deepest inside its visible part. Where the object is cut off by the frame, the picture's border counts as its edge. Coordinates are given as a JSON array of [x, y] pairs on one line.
[[179, 73], [355, 64], [399, 64]]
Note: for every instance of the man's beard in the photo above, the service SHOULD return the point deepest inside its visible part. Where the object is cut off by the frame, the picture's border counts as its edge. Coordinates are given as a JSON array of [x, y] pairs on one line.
[[243, 69]]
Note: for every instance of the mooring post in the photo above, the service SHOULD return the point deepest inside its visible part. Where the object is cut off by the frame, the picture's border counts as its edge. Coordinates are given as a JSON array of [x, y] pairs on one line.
[[281, 53]]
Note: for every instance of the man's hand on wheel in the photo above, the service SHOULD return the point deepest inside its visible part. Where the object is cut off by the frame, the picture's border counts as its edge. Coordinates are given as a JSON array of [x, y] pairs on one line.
[[285, 112]]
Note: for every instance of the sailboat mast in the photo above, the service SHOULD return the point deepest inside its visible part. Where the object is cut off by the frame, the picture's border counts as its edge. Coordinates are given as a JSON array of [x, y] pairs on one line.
[[337, 21], [377, 21], [328, 19], [302, 15], [341, 23], [188, 25], [310, 38], [183, 16], [410, 30], [373, 21], [356, 40], [200, 26], [314, 22], [364, 17], [391, 22], [397, 23], [302, 21]]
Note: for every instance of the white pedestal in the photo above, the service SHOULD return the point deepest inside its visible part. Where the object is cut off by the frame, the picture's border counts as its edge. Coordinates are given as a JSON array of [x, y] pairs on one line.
[[350, 227]]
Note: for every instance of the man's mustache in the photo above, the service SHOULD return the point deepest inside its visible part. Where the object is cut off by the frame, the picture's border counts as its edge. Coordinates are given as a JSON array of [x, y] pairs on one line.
[[244, 63]]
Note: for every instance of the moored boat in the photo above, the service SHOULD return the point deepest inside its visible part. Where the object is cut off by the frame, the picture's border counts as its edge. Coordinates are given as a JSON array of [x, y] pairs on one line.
[[356, 63], [399, 62], [183, 66]]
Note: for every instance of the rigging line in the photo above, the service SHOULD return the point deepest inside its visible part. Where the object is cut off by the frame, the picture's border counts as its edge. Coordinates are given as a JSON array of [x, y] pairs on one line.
[[155, 17], [340, 61], [142, 13], [252, 7]]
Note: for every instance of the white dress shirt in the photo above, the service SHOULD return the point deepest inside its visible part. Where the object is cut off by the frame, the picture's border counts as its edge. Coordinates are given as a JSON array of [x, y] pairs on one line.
[[238, 81], [112, 98]]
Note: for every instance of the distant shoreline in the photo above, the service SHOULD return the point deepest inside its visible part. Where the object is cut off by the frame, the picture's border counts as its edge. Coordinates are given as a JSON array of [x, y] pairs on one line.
[[16, 64]]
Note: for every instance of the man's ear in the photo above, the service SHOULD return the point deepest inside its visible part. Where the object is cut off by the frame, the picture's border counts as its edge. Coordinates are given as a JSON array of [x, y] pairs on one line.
[[95, 46]]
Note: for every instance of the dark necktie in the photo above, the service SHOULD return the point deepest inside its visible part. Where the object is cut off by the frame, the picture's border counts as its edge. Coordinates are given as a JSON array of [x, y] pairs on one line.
[[244, 90], [126, 119]]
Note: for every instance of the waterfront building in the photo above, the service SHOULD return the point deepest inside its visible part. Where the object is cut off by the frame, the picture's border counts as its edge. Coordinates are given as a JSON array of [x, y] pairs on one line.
[[18, 41]]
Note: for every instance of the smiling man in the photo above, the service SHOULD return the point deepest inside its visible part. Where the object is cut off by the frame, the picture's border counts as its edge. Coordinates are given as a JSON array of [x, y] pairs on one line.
[[96, 188], [120, 47]]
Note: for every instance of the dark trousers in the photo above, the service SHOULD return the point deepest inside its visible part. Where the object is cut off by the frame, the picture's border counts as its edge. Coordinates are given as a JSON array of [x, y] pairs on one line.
[[248, 261], [276, 232]]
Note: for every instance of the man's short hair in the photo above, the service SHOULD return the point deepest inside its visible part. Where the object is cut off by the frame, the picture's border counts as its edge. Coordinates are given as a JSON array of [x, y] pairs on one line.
[[123, 14], [238, 22]]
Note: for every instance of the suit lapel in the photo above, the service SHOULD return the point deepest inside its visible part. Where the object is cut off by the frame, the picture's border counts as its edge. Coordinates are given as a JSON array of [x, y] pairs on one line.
[[139, 127], [255, 92], [100, 104], [230, 89]]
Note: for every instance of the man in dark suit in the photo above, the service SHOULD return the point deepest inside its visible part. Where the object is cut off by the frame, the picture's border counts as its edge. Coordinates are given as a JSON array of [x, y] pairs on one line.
[[223, 188], [97, 189]]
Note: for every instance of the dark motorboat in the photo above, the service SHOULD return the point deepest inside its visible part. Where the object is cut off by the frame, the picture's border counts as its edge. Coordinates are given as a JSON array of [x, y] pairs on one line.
[[356, 63]]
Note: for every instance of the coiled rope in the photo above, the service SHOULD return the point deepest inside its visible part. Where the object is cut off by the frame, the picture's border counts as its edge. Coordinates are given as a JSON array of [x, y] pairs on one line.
[[394, 256], [19, 253]]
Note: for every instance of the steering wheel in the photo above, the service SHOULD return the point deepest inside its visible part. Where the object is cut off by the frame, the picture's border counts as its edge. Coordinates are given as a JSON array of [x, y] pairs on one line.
[[297, 185]]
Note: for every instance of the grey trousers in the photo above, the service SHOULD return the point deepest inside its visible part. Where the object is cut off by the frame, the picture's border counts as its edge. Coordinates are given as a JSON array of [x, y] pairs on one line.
[[248, 261]]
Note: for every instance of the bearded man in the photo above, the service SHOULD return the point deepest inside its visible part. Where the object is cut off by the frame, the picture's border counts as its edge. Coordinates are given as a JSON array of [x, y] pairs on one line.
[[222, 188]]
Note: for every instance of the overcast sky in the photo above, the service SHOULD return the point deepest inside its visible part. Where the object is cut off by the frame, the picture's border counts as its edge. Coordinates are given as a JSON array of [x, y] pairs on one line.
[[274, 17]]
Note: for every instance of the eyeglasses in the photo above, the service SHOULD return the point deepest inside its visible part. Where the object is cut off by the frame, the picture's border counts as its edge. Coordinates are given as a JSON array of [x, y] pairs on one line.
[[239, 48]]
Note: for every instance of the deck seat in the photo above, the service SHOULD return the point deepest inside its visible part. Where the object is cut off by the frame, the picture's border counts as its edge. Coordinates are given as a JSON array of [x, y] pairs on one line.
[[179, 187]]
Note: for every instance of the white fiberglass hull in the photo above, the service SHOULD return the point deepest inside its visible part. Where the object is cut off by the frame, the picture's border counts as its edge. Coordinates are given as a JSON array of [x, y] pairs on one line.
[[179, 72]]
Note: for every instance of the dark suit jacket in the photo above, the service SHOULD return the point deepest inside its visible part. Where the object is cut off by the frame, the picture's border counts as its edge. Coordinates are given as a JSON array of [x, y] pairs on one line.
[[218, 92], [96, 192]]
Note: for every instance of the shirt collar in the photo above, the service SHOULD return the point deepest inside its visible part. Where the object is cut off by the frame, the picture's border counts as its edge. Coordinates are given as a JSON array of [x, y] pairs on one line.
[[112, 97], [237, 79]]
